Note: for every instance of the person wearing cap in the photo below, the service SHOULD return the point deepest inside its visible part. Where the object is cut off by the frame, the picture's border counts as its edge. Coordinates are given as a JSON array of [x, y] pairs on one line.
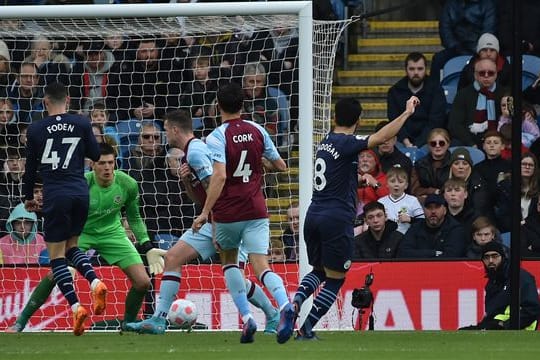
[[462, 168], [477, 107], [436, 236], [460, 25], [497, 293], [487, 48], [90, 76]]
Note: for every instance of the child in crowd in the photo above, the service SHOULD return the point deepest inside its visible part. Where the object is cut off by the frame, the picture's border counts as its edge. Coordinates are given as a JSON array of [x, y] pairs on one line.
[[483, 231], [529, 127], [400, 206]]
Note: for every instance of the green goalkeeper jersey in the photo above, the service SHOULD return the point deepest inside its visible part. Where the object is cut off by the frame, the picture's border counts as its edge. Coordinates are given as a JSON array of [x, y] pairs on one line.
[[106, 204]]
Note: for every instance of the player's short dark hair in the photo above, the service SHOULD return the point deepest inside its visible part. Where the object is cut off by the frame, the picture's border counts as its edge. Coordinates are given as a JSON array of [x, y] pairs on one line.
[[106, 149], [230, 98], [348, 111], [372, 206], [181, 119], [56, 92]]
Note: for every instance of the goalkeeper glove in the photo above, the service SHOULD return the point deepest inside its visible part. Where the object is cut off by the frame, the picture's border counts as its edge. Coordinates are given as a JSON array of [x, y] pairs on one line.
[[155, 260]]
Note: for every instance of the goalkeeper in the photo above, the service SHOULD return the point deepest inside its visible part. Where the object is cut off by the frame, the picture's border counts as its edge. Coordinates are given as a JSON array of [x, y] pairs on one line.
[[110, 192]]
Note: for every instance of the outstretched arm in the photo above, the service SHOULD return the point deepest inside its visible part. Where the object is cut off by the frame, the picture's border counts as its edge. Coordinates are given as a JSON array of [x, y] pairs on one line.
[[391, 129]]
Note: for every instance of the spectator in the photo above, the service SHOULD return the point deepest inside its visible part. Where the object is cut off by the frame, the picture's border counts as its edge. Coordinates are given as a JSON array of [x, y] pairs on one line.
[[530, 177], [529, 127], [149, 154], [430, 172], [90, 76], [145, 88], [437, 236], [7, 130], [460, 25], [258, 105], [401, 207], [117, 45], [277, 255], [476, 108], [244, 46], [6, 76], [483, 231], [11, 178], [530, 233], [456, 195], [389, 154], [26, 94], [497, 293], [291, 236], [487, 48], [381, 240], [52, 66], [462, 168], [23, 244], [430, 114], [372, 183]]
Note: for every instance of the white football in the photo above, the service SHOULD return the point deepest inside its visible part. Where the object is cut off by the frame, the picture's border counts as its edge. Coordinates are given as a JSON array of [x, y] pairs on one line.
[[182, 313]]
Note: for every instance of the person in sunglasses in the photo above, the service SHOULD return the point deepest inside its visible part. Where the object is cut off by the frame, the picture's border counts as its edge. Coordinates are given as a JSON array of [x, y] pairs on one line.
[[477, 107]]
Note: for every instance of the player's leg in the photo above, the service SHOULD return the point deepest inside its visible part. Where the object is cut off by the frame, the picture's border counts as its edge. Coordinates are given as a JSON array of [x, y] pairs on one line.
[[140, 283], [257, 297], [228, 237], [188, 248]]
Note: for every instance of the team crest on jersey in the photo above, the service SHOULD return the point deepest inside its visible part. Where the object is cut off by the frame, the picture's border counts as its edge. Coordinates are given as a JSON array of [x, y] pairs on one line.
[[347, 264], [118, 199], [361, 137]]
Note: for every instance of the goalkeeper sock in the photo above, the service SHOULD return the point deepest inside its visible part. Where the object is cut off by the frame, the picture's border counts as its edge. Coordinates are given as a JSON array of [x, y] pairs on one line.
[[63, 280], [37, 298], [308, 285], [322, 303], [257, 297], [275, 285], [134, 301], [170, 283], [81, 262], [237, 288]]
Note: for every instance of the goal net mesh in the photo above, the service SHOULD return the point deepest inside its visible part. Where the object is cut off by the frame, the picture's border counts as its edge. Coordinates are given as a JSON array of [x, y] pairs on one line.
[[125, 74]]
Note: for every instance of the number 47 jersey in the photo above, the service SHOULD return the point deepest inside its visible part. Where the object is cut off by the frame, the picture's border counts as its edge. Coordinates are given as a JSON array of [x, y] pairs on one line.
[[335, 175], [56, 147]]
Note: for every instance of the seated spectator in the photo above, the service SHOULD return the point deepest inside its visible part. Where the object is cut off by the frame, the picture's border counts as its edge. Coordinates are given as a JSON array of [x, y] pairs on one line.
[[487, 48], [149, 154], [277, 255], [530, 233], [291, 236], [476, 108], [462, 168], [429, 114], [483, 231], [430, 172], [401, 207], [436, 236], [26, 95], [529, 127], [455, 193], [23, 244], [52, 66], [372, 183], [11, 178], [530, 177], [6, 76], [460, 25], [389, 154], [7, 129], [381, 240]]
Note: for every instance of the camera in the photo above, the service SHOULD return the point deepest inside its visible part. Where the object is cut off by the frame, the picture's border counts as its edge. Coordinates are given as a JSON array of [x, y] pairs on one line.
[[363, 298]]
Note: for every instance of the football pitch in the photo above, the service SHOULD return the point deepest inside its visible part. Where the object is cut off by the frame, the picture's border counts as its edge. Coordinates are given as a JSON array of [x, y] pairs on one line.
[[225, 345]]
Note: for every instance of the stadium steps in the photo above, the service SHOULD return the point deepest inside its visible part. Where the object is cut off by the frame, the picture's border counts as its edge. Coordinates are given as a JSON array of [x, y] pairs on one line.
[[378, 63]]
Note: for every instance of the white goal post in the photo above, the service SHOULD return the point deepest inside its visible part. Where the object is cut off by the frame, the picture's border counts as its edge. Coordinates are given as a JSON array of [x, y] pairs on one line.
[[317, 43]]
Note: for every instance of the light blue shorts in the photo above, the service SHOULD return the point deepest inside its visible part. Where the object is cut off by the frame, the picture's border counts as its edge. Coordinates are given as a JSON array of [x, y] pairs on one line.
[[252, 236], [202, 243]]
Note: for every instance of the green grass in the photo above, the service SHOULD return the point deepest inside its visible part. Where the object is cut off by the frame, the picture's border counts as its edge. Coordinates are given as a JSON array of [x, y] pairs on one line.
[[505, 345]]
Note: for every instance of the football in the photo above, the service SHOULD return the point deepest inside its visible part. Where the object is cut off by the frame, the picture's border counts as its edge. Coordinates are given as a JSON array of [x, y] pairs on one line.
[[182, 313]]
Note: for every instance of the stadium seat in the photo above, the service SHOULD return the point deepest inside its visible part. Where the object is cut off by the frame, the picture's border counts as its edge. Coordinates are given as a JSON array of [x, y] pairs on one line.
[[413, 153], [165, 241], [450, 76], [531, 69], [477, 155], [128, 135], [505, 238]]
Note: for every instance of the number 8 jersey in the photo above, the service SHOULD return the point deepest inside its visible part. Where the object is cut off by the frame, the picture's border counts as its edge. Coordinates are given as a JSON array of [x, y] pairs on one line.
[[241, 144], [335, 178]]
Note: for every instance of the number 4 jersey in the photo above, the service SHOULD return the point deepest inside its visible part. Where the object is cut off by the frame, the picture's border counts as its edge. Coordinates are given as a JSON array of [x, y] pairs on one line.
[[240, 145], [335, 175], [56, 147]]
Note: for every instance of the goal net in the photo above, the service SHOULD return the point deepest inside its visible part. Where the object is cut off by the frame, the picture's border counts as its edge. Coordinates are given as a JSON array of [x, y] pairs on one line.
[[125, 72]]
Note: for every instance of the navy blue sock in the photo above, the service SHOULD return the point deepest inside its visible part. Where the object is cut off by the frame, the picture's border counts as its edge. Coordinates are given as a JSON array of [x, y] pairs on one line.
[[308, 285], [322, 303], [63, 280], [81, 263]]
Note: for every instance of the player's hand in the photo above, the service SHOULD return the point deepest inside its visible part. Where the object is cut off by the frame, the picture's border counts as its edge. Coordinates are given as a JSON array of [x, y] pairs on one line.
[[155, 260], [32, 205], [199, 222], [412, 103]]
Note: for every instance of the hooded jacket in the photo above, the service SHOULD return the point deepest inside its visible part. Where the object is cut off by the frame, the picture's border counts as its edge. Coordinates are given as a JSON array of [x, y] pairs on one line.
[[18, 250]]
